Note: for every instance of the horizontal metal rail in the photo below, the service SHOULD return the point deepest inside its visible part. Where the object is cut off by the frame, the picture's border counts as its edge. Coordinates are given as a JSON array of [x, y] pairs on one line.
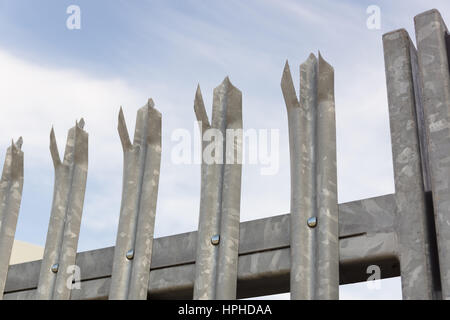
[[367, 236]]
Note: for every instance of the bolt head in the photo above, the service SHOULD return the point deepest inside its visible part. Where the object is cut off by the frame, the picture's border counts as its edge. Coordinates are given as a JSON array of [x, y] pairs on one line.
[[55, 268], [130, 254], [215, 239], [312, 222]]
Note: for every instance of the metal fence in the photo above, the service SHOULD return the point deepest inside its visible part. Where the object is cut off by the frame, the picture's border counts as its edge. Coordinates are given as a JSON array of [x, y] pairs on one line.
[[308, 252]]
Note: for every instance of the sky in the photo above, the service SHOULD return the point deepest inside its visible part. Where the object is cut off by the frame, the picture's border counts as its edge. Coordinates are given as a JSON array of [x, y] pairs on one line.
[[126, 52]]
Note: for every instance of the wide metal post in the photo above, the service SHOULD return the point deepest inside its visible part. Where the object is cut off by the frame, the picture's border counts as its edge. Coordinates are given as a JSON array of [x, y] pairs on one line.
[[218, 231], [64, 227], [142, 161], [314, 211], [11, 185], [405, 108], [431, 34]]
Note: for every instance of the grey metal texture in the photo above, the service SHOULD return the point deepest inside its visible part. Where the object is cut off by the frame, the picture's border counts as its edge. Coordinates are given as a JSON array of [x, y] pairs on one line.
[[367, 236], [217, 265], [415, 259], [65, 219], [435, 85], [142, 161], [11, 185], [312, 138]]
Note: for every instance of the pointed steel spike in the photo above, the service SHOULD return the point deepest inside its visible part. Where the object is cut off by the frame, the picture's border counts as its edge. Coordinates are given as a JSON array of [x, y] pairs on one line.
[[81, 123], [11, 195], [234, 109], [288, 89], [326, 180], [325, 80], [226, 81], [19, 143], [154, 131], [80, 147], [54, 149], [123, 131], [199, 109], [16, 162], [308, 83]]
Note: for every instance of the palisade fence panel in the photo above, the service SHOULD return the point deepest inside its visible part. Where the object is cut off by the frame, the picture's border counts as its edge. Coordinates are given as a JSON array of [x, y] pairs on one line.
[[309, 252]]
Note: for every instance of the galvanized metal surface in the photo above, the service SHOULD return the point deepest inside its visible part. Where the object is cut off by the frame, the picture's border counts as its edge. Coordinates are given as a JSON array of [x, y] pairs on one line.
[[435, 85], [216, 264], [65, 219], [302, 138], [400, 57], [312, 138], [142, 161], [11, 185], [264, 257]]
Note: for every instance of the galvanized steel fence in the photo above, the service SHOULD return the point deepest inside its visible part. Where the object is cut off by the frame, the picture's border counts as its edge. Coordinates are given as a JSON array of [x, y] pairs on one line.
[[309, 252]]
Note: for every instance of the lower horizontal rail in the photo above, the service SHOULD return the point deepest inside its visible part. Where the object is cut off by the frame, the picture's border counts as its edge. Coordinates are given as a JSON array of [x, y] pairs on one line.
[[264, 257]]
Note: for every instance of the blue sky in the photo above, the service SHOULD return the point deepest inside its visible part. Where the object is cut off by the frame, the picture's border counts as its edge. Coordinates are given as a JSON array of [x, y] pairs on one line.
[[126, 52]]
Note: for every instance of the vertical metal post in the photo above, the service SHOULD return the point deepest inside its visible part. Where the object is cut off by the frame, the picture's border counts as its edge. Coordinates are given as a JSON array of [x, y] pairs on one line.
[[11, 185], [208, 225], [404, 108], [435, 84], [231, 195], [301, 118], [326, 186], [218, 231], [142, 161], [314, 212], [67, 208]]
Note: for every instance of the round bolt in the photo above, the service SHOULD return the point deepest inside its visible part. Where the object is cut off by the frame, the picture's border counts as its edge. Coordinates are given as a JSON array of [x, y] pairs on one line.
[[130, 254], [55, 268], [215, 239], [312, 222]]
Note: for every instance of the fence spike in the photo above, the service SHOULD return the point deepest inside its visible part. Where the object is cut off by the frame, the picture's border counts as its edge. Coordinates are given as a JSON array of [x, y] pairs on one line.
[[11, 186], [216, 259], [314, 216], [65, 219], [302, 123], [326, 184], [231, 198], [142, 161]]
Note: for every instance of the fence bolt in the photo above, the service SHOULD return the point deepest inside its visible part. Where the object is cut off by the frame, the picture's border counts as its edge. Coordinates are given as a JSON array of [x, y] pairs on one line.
[[215, 239], [312, 222], [55, 268], [130, 254]]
